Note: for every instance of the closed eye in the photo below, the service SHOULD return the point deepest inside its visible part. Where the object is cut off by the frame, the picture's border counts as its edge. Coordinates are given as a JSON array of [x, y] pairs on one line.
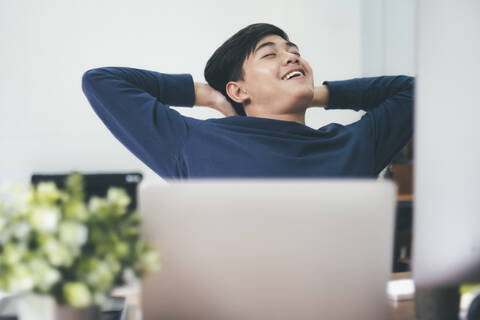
[[270, 54]]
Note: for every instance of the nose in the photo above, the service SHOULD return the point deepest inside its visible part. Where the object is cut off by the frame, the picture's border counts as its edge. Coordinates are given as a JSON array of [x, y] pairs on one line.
[[290, 58]]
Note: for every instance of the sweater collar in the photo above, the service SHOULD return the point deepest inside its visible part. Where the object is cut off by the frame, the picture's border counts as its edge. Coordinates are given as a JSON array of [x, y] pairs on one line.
[[267, 123]]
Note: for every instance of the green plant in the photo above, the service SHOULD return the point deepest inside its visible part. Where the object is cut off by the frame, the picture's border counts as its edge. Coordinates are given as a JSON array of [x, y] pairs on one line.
[[53, 242]]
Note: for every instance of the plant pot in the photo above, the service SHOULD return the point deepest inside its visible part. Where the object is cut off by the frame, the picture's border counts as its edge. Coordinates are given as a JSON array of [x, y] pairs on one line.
[[69, 313], [33, 306]]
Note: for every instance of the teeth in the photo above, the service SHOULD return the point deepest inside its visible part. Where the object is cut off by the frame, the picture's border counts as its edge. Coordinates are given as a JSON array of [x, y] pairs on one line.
[[291, 74]]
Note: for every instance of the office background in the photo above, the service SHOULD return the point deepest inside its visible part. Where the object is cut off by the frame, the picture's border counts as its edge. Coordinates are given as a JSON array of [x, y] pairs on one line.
[[46, 123]]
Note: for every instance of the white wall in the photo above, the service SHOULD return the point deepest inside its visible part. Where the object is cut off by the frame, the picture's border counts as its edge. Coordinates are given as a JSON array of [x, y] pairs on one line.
[[46, 123], [388, 37]]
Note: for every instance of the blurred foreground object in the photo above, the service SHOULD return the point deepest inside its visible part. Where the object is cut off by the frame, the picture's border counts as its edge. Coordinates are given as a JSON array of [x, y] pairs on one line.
[[53, 242]]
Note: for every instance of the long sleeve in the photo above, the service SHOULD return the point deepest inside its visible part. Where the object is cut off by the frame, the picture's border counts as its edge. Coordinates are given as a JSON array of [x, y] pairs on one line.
[[133, 104], [388, 101]]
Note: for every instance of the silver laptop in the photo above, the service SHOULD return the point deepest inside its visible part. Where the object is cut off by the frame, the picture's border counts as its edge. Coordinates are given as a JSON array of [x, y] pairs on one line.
[[269, 249]]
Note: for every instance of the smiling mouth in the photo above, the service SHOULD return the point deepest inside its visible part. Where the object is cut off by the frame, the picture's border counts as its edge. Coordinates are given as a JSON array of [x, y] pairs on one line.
[[294, 75]]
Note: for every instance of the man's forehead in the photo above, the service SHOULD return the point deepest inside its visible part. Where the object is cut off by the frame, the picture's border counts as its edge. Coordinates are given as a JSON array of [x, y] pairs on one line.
[[273, 40]]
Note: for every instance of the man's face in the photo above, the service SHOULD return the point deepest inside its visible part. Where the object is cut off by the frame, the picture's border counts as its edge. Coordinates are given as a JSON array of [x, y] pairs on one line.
[[276, 77]]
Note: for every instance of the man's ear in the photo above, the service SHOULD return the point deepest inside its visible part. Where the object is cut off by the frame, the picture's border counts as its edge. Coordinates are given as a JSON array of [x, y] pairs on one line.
[[236, 92]]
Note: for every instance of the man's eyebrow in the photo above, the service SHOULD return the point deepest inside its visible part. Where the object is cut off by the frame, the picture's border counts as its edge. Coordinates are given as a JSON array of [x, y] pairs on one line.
[[270, 44]]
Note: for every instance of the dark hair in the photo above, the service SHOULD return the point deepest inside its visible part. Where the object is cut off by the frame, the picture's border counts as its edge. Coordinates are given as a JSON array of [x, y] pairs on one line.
[[226, 62]]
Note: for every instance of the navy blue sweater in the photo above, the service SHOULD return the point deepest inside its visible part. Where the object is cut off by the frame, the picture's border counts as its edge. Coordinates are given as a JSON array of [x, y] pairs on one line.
[[134, 105]]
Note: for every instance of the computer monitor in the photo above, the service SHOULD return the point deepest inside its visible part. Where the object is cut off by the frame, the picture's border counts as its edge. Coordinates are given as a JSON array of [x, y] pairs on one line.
[[446, 239], [253, 249]]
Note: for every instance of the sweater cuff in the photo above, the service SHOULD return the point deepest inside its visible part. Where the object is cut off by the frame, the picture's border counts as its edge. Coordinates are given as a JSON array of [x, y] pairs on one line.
[[342, 94], [178, 90]]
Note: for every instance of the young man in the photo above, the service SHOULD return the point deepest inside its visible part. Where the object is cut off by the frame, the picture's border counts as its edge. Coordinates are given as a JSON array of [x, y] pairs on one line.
[[263, 86]]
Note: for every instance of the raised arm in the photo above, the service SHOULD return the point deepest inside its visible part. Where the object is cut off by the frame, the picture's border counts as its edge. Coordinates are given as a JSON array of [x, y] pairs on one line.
[[388, 101], [134, 105]]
